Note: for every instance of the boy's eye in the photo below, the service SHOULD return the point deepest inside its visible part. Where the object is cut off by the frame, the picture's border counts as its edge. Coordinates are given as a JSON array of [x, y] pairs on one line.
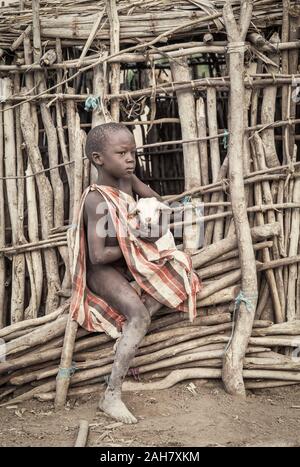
[[123, 153]]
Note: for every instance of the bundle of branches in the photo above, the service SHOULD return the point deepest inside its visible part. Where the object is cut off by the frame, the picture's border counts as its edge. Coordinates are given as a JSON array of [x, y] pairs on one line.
[[73, 21]]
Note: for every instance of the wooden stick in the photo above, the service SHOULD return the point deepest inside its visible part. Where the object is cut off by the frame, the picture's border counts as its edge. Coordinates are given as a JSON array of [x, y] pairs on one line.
[[46, 207], [234, 253], [2, 228], [212, 252], [71, 113], [268, 111], [34, 322], [82, 434], [192, 170], [38, 336], [258, 196], [201, 127], [18, 277], [91, 37], [64, 374], [17, 294], [232, 368], [292, 312], [57, 185], [112, 14]]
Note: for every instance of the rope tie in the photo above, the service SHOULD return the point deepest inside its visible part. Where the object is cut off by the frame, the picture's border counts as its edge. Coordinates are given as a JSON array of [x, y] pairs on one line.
[[241, 298], [249, 80], [236, 47], [91, 103], [66, 372], [291, 168], [225, 185], [273, 77], [225, 138], [186, 200]]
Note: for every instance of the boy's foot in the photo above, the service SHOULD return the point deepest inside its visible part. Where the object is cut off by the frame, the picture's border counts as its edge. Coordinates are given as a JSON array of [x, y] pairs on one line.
[[112, 405]]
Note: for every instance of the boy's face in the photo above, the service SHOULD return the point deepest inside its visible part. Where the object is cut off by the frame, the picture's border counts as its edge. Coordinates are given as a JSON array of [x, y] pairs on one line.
[[118, 155]]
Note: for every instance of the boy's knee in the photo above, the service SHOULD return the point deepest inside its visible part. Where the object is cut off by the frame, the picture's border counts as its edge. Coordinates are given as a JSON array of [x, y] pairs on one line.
[[140, 317]]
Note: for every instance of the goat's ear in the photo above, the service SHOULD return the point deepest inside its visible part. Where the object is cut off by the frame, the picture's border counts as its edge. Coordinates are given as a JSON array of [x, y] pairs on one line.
[[164, 207]]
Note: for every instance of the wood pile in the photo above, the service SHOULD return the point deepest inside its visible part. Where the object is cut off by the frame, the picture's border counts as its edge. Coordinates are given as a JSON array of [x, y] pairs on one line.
[[173, 350]]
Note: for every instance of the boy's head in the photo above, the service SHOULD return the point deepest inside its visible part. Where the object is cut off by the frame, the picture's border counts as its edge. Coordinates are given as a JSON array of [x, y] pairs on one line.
[[111, 147]]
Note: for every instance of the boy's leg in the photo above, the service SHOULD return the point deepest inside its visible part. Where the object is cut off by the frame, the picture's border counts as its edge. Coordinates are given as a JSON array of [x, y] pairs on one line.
[[151, 304], [111, 285]]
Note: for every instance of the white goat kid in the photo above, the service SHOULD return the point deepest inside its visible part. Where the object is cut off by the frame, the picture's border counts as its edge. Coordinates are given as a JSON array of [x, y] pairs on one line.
[[149, 211]]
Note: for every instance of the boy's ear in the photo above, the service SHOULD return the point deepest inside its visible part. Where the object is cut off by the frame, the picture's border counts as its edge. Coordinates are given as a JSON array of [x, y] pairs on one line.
[[97, 158]]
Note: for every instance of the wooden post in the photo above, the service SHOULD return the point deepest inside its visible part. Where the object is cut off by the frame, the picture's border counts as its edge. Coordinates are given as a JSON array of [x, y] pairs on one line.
[[232, 373], [56, 182], [258, 196], [65, 372], [46, 206], [268, 110], [34, 261], [19, 275], [112, 13], [214, 157], [100, 114], [292, 312], [2, 223], [82, 434], [192, 172], [71, 112], [10, 159]]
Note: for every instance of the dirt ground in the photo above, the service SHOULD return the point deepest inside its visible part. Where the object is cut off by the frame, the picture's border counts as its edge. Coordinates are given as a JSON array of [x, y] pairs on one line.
[[188, 414]]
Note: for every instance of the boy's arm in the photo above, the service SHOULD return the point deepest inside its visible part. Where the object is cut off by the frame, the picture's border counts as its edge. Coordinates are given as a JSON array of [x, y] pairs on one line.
[[143, 190], [96, 220]]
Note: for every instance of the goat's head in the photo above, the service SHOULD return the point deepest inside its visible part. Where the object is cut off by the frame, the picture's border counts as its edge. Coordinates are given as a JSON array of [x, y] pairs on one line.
[[148, 210]]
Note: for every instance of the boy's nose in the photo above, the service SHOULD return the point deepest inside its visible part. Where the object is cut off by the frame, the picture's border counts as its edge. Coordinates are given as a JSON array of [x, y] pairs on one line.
[[130, 157]]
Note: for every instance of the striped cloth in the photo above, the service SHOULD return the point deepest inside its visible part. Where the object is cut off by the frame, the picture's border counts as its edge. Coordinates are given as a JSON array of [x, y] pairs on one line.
[[166, 275]]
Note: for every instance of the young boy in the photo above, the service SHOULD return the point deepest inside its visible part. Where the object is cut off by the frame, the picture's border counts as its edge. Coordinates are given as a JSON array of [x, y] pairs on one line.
[[111, 148], [112, 260]]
